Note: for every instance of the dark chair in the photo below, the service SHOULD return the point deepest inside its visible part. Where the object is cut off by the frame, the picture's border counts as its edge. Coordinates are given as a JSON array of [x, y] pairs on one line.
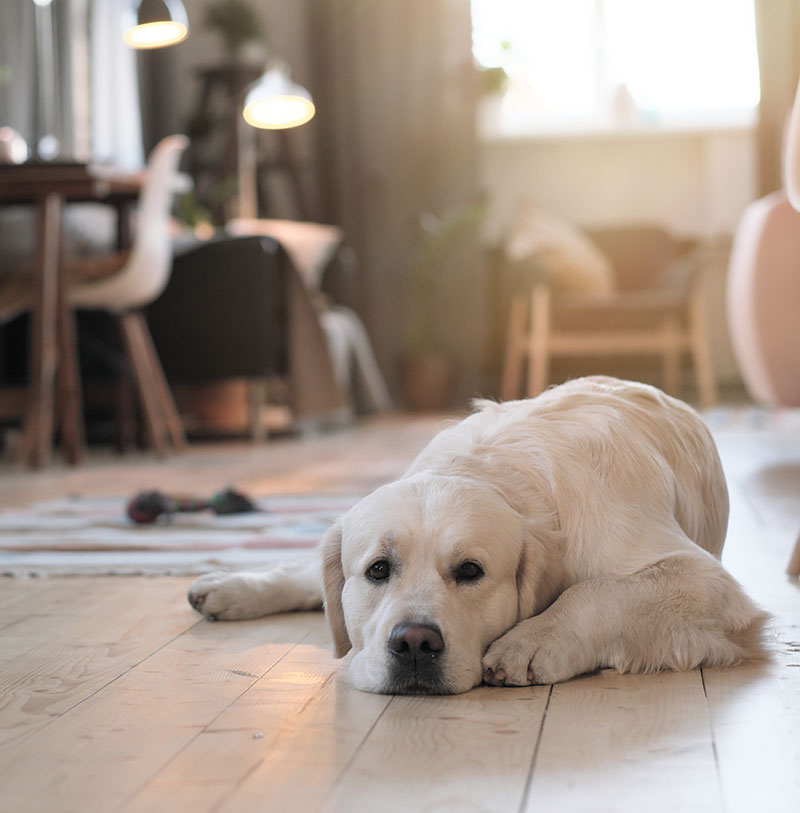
[[236, 308]]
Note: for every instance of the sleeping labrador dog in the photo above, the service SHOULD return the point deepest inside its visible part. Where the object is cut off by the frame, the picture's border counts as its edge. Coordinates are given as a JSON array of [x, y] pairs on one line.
[[534, 541]]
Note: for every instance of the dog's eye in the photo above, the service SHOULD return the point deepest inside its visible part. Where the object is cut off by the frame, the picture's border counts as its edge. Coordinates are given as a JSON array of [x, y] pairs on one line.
[[468, 572], [378, 571]]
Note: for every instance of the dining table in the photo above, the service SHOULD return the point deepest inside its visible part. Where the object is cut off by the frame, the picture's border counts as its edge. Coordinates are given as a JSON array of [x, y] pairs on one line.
[[54, 386]]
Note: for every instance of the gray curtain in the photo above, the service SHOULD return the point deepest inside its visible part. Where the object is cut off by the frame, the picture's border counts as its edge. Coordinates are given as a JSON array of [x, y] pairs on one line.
[[19, 104], [395, 92], [116, 117], [19, 75], [95, 102], [16, 49], [778, 27], [96, 98]]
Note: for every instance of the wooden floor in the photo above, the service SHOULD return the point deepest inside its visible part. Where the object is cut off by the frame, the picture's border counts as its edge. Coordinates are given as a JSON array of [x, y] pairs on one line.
[[114, 695]]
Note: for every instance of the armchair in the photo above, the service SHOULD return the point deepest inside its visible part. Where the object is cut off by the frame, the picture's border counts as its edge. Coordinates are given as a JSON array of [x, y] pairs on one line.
[[655, 307]]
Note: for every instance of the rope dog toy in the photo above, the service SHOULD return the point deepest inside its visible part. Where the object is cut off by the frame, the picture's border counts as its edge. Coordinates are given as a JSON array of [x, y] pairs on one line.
[[148, 507]]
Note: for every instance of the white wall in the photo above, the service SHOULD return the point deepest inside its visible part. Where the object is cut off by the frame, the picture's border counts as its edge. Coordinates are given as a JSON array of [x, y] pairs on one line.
[[695, 183]]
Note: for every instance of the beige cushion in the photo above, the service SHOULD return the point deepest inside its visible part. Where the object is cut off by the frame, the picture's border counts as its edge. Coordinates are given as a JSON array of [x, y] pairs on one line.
[[567, 257], [310, 246]]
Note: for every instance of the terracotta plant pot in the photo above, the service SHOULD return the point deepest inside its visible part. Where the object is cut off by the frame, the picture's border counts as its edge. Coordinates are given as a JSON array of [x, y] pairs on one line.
[[427, 381]]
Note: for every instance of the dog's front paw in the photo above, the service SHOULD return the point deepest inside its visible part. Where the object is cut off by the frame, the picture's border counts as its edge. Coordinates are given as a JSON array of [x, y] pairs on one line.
[[227, 596], [535, 651]]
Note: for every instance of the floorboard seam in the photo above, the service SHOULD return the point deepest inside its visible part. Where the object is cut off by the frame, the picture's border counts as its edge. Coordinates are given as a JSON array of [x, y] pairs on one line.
[[529, 778], [713, 743]]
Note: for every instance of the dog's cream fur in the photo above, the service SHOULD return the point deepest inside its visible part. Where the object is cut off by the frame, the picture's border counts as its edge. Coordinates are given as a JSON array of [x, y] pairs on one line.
[[597, 512]]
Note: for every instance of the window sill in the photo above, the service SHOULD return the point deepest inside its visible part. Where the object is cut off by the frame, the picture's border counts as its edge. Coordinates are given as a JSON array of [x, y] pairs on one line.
[[495, 127]]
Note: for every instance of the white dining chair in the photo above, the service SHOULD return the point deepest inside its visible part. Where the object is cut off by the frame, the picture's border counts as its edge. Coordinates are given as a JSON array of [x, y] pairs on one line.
[[139, 278]]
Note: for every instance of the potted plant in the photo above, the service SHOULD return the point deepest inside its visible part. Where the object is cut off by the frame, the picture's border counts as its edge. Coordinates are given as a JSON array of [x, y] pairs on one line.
[[238, 25], [427, 367], [494, 78]]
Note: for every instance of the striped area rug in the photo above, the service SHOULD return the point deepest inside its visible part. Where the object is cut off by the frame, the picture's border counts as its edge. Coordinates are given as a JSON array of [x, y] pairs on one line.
[[90, 535]]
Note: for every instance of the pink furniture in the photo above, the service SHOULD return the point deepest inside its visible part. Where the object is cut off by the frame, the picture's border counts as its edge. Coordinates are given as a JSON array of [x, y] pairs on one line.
[[764, 306], [764, 300]]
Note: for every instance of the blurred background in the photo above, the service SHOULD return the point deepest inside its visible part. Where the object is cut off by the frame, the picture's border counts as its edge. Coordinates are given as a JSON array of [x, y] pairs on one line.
[[469, 154]]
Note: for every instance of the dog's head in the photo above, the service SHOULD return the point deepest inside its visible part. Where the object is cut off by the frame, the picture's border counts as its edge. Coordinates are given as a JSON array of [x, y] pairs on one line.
[[420, 577]]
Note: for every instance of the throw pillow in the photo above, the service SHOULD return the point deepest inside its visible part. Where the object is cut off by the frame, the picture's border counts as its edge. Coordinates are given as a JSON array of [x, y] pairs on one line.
[[310, 246], [568, 258]]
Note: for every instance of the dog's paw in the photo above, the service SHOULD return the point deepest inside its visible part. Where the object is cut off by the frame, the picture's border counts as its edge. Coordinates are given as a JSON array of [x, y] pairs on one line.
[[228, 596], [535, 651]]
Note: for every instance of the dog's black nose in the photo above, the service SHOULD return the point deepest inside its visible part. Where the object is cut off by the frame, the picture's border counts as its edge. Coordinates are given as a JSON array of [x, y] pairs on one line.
[[416, 643]]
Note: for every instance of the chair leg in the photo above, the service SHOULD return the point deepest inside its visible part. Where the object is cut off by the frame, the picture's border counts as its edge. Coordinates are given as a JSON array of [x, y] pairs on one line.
[[515, 350], [137, 353], [794, 562], [163, 392], [68, 375], [701, 351], [37, 437], [538, 341]]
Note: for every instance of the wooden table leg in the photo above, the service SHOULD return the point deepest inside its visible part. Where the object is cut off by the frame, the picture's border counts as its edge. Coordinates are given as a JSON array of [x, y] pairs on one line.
[[37, 439]]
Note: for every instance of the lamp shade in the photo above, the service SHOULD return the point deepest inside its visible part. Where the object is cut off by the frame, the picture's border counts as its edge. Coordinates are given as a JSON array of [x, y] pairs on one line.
[[155, 23], [274, 102]]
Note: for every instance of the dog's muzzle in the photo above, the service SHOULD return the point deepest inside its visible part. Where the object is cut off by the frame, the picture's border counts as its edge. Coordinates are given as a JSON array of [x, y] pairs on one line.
[[415, 652]]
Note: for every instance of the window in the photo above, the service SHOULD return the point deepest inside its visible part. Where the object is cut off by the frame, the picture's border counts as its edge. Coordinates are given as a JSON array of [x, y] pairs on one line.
[[595, 64]]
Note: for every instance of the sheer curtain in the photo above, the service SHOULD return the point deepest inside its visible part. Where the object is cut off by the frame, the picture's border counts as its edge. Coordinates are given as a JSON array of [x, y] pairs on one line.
[[97, 107], [116, 118], [17, 67], [115, 125], [778, 27], [58, 32]]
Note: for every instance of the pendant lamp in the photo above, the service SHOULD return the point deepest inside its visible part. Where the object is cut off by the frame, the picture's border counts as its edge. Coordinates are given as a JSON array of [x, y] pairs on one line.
[[156, 23], [274, 102]]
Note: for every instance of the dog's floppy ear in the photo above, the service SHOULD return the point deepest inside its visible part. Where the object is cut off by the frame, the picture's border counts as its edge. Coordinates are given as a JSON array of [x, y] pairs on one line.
[[333, 583], [539, 572], [526, 582]]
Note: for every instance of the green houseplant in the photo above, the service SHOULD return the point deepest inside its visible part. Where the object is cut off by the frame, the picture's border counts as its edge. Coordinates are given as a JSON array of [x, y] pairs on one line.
[[427, 366]]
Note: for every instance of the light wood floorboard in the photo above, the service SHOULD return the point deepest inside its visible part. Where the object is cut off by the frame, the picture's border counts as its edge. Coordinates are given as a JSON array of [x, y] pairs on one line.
[[57, 655], [615, 739], [114, 695]]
